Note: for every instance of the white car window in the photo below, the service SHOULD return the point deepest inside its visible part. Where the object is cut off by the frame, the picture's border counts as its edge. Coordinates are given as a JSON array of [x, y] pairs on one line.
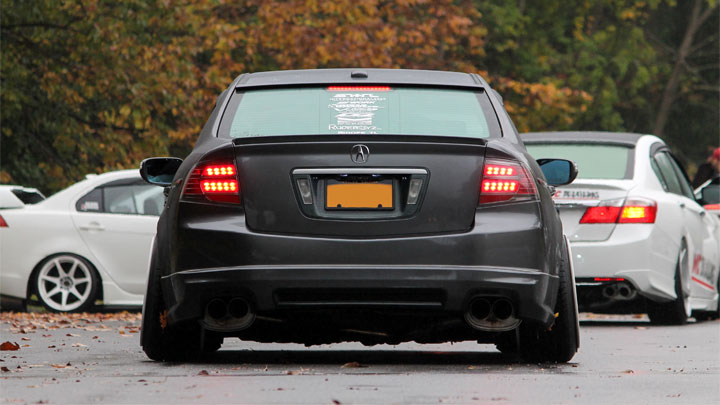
[[149, 199], [119, 200], [135, 199], [682, 178], [669, 176], [91, 202]]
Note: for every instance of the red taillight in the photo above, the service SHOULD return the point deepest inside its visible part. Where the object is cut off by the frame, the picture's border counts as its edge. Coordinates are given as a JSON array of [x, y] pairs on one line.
[[213, 186], [505, 181], [3, 224], [499, 186], [498, 170], [609, 279], [633, 211], [600, 215], [219, 171], [359, 88], [216, 181]]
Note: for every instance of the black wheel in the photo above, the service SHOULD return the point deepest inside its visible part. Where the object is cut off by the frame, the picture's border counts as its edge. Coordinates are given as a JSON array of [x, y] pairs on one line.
[[560, 342], [677, 311], [163, 342], [66, 283]]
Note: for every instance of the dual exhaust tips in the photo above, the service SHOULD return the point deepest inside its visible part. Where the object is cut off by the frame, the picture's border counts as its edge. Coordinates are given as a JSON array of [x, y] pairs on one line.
[[228, 316], [491, 314], [619, 292]]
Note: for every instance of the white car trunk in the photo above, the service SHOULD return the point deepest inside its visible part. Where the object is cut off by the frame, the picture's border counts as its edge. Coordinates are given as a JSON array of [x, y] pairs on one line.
[[572, 201]]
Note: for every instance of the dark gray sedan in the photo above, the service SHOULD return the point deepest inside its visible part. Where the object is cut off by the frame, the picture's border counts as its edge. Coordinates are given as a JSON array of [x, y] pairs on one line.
[[378, 206]]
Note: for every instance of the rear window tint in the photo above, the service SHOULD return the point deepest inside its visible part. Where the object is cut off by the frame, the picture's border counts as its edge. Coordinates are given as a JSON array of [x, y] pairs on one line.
[[594, 161], [358, 110]]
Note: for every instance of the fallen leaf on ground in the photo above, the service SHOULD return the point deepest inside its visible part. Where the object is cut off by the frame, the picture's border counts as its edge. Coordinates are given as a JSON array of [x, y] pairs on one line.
[[352, 364], [9, 346], [628, 372], [4, 369], [203, 372]]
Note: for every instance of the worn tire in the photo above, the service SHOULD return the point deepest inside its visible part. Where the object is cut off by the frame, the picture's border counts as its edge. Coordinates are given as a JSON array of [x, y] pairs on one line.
[[560, 342], [163, 342], [677, 311]]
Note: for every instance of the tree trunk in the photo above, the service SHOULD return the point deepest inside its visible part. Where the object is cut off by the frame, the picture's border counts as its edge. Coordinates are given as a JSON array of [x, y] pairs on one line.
[[671, 88]]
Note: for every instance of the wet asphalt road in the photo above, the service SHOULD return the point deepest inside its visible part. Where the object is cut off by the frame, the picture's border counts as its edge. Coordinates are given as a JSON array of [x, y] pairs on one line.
[[622, 360]]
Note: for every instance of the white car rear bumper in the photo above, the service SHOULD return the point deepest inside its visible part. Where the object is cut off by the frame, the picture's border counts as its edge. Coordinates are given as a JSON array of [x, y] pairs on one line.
[[637, 252]]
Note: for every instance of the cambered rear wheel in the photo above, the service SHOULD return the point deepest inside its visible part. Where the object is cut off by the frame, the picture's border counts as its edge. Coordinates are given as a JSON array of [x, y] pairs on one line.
[[163, 342], [677, 311], [560, 342]]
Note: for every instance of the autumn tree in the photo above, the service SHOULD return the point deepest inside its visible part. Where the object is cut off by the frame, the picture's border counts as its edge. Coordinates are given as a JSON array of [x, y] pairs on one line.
[[90, 85]]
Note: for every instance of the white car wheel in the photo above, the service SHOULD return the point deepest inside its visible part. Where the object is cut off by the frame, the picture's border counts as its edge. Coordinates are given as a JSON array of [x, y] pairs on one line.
[[66, 283], [677, 311]]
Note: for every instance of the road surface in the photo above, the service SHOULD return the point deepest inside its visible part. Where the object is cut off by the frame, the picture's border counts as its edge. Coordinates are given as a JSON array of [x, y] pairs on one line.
[[622, 359]]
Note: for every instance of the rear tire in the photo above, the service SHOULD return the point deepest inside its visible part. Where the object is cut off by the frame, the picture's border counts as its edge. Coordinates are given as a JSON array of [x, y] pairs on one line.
[[677, 311], [66, 283], [560, 342], [163, 342]]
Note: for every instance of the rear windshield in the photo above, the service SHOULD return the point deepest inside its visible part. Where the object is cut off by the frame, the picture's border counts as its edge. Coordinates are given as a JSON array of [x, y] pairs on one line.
[[594, 161], [369, 110]]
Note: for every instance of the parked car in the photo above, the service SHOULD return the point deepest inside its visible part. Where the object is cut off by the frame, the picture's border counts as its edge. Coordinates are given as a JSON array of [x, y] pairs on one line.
[[708, 194], [12, 196], [426, 221], [85, 245], [640, 240]]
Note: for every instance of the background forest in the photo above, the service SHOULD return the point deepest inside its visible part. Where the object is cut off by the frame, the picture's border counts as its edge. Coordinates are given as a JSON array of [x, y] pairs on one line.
[[89, 86]]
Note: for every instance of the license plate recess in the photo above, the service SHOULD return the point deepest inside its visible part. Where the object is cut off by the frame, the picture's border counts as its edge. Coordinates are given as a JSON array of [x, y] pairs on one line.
[[377, 195]]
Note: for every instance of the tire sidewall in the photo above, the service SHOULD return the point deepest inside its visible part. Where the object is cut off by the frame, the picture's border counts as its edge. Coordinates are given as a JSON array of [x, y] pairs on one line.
[[95, 284]]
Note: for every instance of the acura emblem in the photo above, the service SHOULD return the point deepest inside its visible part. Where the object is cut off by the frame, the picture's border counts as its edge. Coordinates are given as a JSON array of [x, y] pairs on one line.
[[359, 153]]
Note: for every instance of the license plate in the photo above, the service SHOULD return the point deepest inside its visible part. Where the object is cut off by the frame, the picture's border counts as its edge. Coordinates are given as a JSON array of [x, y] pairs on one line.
[[359, 196], [576, 194]]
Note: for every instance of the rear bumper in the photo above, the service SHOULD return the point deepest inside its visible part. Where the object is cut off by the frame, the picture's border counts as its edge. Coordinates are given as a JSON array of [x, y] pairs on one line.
[[432, 288], [636, 252]]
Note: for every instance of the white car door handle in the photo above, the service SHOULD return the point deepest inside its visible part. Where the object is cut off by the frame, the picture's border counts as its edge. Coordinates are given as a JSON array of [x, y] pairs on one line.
[[92, 226]]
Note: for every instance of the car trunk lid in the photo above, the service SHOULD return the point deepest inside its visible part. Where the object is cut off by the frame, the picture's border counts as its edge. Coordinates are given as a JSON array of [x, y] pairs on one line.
[[574, 199], [310, 185]]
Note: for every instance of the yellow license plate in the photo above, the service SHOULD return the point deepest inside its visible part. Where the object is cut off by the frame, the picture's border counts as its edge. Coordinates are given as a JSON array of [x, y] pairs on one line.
[[359, 195]]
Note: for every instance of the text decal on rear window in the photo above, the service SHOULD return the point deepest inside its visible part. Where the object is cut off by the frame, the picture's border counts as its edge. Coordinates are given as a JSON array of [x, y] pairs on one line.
[[355, 113]]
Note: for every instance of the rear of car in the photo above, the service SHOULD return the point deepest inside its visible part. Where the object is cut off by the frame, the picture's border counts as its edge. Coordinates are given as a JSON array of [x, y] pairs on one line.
[[631, 234], [314, 210]]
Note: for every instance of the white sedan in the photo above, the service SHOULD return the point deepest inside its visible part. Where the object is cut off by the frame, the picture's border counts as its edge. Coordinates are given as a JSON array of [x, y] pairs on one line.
[[88, 244], [640, 241]]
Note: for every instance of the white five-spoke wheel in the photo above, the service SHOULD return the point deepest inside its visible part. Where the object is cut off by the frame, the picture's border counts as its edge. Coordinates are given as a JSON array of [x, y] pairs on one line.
[[66, 283]]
